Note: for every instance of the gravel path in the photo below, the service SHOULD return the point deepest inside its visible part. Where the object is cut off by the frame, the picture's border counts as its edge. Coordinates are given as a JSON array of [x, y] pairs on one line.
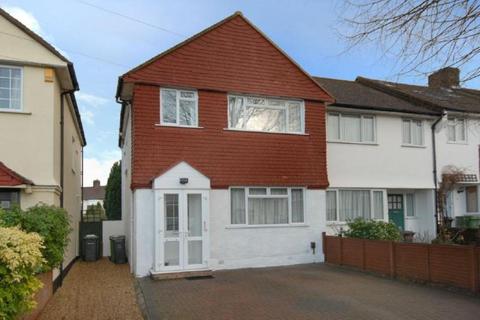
[[95, 290]]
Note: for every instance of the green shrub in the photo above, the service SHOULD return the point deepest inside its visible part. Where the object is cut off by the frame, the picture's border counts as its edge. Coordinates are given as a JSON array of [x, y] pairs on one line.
[[372, 230], [51, 222], [113, 193], [20, 259]]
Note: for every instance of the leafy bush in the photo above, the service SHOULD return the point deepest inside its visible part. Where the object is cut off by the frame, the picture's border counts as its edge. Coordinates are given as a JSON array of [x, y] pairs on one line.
[[51, 222], [20, 259], [372, 230]]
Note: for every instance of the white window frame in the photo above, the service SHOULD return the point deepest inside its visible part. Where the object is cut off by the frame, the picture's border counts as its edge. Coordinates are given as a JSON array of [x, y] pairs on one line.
[[10, 109], [411, 144], [268, 195], [340, 127], [405, 206], [455, 120], [267, 99], [372, 209], [177, 108]]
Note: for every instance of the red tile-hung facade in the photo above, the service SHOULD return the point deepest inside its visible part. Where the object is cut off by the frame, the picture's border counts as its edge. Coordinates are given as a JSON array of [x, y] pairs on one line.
[[230, 57]]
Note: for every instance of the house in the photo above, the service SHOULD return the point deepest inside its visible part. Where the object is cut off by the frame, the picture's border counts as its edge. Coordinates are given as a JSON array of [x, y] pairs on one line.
[[403, 139], [41, 134], [93, 195], [223, 155]]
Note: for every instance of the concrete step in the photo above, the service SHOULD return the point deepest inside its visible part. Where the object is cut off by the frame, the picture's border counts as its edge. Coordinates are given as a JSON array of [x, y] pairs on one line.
[[181, 275]]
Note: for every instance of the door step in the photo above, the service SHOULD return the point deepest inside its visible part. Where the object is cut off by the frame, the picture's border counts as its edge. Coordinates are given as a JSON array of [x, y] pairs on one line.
[[182, 275]]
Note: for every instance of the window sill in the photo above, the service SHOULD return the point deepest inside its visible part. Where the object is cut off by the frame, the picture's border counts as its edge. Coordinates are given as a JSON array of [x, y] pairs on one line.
[[413, 146], [359, 143], [459, 142], [260, 226], [411, 218], [176, 126], [256, 131], [15, 112]]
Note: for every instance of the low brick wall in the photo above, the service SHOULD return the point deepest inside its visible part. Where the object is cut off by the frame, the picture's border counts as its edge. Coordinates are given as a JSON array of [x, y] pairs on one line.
[[42, 296], [452, 265]]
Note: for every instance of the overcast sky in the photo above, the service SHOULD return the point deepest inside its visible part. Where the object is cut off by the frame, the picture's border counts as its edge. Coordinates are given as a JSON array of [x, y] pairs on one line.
[[103, 45]]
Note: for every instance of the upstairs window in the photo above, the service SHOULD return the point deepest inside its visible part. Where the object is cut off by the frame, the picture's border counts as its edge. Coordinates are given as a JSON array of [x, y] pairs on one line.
[[178, 108], [456, 130], [412, 132], [265, 114], [10, 88], [352, 128]]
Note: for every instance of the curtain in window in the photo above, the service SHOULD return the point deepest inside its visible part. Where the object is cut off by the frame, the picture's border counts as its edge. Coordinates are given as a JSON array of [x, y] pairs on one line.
[[351, 128], [354, 204], [235, 112], [368, 129], [294, 117], [333, 127], [238, 206], [407, 139], [460, 130], [410, 204], [417, 133], [169, 106], [267, 210], [472, 199], [331, 205], [451, 130], [297, 205], [377, 204]]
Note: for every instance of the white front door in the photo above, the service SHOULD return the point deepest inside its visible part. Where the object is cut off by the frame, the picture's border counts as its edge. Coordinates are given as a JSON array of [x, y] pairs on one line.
[[182, 229]]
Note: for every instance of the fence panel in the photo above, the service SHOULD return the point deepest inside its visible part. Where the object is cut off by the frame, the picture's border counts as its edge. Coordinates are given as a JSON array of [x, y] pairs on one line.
[[352, 252], [377, 256], [411, 261], [451, 265], [332, 245]]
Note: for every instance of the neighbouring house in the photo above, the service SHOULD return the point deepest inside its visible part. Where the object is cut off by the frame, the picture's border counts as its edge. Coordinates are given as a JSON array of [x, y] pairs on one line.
[[93, 195], [223, 155], [388, 145], [41, 134]]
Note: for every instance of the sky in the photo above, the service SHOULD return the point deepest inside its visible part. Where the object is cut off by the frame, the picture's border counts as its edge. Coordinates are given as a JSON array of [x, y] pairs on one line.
[[104, 45]]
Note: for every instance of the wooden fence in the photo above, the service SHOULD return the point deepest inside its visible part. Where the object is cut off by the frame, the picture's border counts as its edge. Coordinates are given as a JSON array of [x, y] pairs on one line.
[[452, 265]]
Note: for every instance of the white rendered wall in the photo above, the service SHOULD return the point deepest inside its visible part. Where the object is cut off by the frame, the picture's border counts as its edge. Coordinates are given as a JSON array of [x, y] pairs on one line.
[[144, 225], [241, 247], [127, 209]]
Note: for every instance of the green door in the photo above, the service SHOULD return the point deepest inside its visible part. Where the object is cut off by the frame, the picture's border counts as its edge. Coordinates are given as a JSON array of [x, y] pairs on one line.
[[395, 210]]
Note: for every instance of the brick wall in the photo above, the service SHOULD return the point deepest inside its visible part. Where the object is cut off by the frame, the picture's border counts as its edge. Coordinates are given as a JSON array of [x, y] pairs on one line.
[[226, 157], [452, 265]]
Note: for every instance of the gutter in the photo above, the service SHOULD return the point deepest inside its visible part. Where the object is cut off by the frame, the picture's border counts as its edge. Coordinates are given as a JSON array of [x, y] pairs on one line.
[[435, 178]]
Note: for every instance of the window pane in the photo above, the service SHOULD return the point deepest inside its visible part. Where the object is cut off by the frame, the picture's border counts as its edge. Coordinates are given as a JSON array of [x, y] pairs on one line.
[[297, 206], [354, 204], [407, 139], [4, 83], [294, 117], [278, 191], [267, 210], [235, 112], [265, 119], [333, 124], [451, 130], [368, 129], [238, 205], [410, 205], [16, 73], [194, 212], [472, 201], [188, 113], [460, 130], [171, 214], [331, 205], [378, 204], [257, 191], [5, 72], [351, 128], [187, 94], [4, 103], [417, 133], [4, 93], [169, 106]]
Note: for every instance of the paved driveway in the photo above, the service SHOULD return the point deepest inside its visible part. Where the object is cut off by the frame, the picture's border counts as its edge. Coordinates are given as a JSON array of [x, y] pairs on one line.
[[303, 292]]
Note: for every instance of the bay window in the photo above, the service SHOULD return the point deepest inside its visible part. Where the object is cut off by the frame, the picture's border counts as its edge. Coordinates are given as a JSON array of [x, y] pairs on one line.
[[354, 128], [412, 132], [178, 107], [10, 88], [265, 114], [345, 205], [266, 206], [456, 130]]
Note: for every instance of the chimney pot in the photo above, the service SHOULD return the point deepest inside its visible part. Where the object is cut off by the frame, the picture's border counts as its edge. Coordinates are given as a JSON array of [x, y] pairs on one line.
[[96, 183], [444, 78]]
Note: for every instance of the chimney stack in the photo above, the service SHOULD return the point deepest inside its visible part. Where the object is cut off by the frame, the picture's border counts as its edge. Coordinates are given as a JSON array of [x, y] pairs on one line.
[[96, 183], [444, 78]]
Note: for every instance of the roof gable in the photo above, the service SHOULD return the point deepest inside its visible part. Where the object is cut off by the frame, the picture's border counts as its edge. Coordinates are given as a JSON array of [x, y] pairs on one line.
[[9, 178], [232, 56]]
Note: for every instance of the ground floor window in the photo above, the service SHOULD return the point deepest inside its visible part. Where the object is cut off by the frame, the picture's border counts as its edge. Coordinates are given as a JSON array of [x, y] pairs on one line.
[[267, 205], [344, 205], [472, 199], [410, 204], [8, 198]]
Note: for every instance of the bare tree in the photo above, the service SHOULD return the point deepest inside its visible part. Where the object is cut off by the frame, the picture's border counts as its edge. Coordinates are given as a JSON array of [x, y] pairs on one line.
[[419, 33]]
